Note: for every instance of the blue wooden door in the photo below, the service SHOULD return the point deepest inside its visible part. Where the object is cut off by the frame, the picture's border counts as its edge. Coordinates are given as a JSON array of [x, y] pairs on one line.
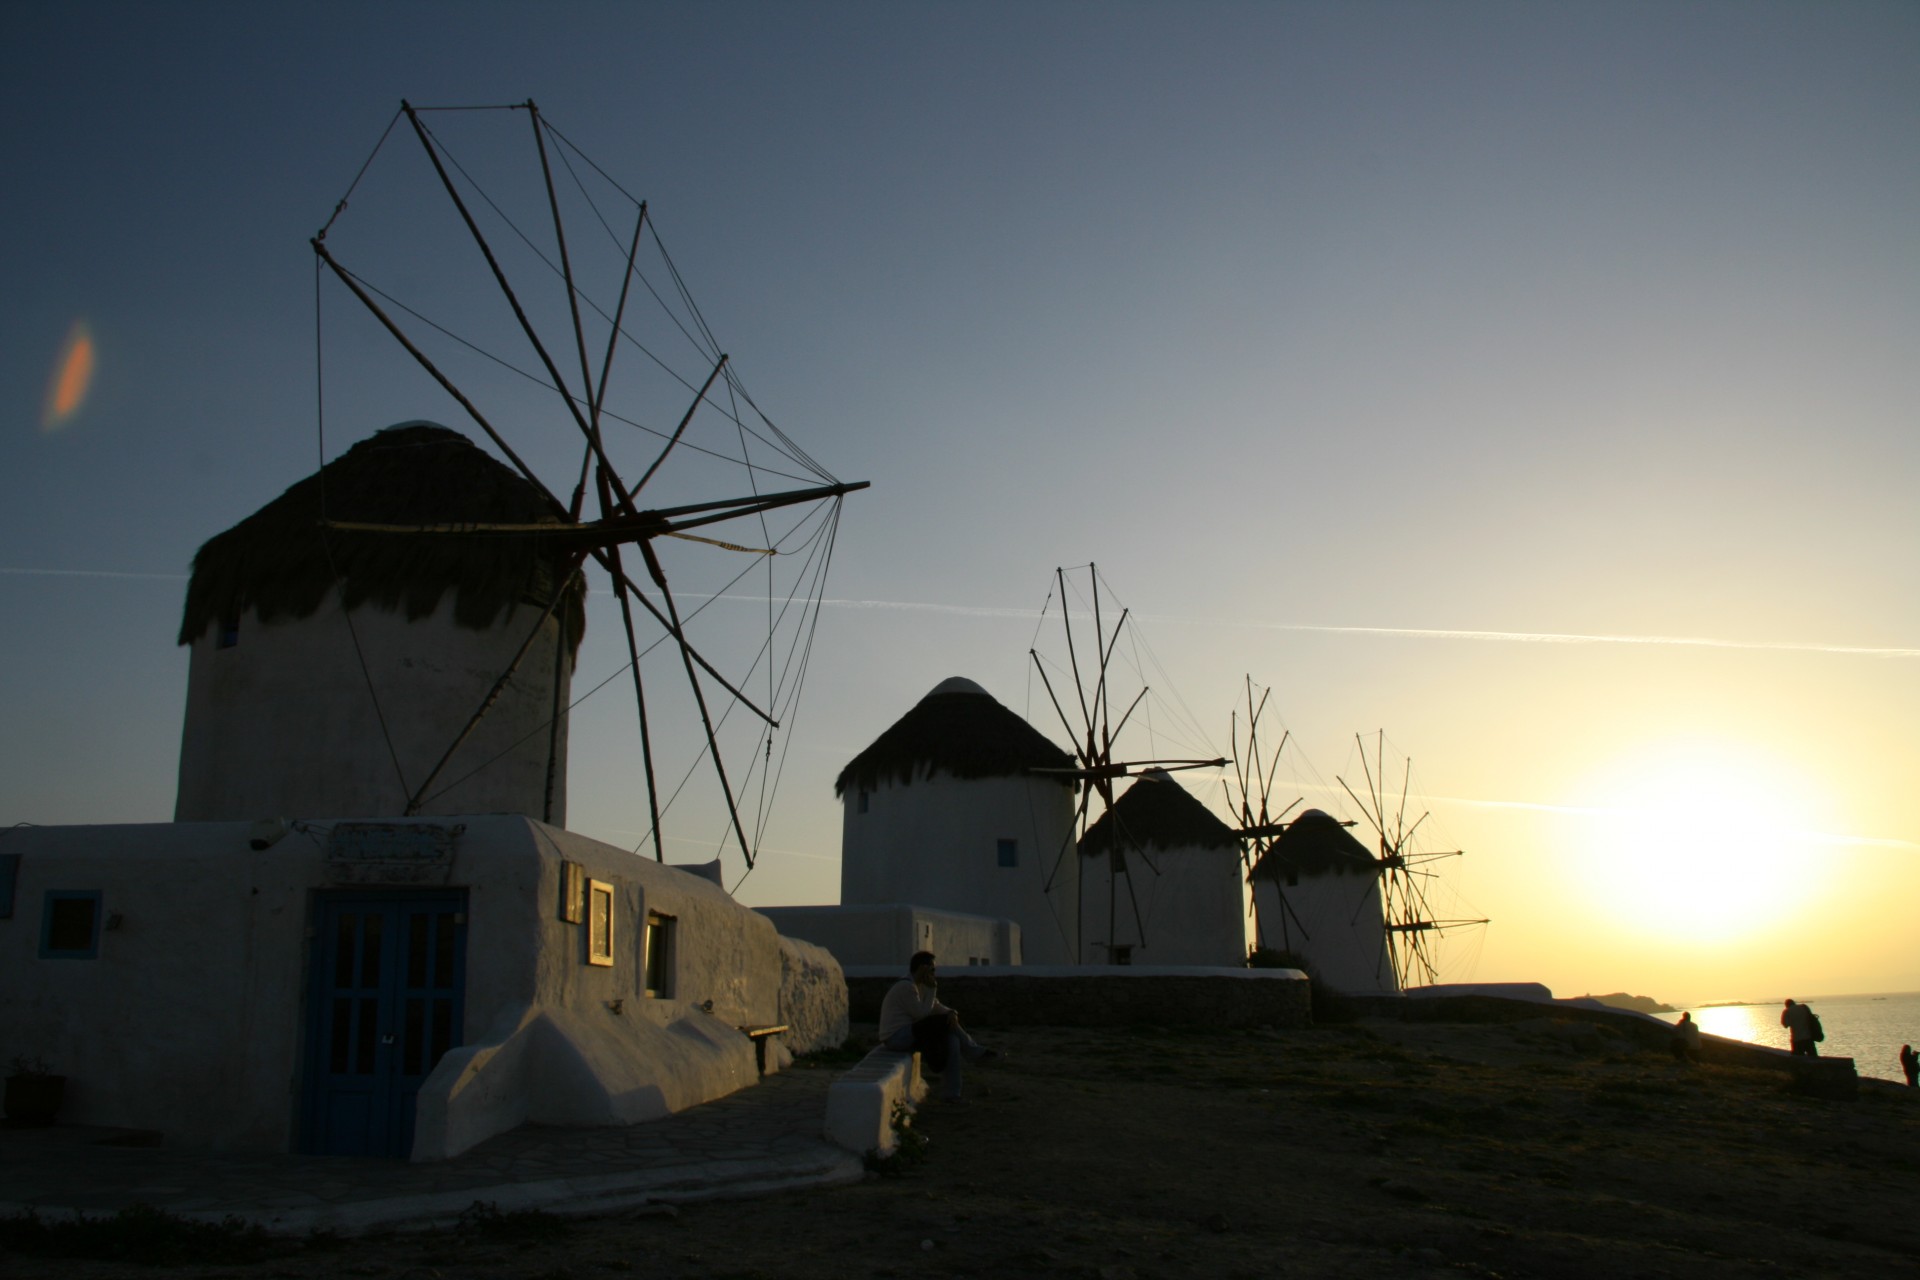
[[384, 1004]]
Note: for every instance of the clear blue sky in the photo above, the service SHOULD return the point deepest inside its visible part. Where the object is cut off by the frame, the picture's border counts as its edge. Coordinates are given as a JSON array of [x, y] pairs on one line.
[[1526, 321]]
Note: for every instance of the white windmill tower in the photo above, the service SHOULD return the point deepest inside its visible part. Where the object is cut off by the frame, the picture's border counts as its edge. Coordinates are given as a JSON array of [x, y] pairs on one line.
[[1095, 734], [950, 808], [421, 644], [1406, 874], [290, 628], [1193, 909], [1359, 920]]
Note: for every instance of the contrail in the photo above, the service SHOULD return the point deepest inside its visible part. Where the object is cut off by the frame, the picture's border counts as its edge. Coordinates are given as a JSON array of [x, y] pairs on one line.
[[1602, 811], [1564, 637], [1417, 633], [1424, 633]]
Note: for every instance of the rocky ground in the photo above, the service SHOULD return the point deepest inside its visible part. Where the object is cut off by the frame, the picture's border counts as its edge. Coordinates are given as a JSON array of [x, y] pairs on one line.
[[1372, 1148]]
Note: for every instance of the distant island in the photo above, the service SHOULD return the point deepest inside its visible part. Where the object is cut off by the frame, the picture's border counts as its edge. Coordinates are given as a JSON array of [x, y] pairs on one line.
[[1638, 1004]]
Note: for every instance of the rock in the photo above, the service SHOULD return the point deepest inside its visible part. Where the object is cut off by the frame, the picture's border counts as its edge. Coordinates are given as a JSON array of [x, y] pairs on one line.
[[813, 997]]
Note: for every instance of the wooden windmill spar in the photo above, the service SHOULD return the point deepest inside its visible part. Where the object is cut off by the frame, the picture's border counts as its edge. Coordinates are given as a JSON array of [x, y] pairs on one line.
[[574, 530], [1093, 736]]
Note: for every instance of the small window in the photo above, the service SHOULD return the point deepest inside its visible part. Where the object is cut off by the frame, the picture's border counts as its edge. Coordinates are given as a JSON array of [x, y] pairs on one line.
[[599, 922], [70, 925], [229, 632], [1122, 955], [1009, 853], [861, 803], [9, 872], [659, 964]]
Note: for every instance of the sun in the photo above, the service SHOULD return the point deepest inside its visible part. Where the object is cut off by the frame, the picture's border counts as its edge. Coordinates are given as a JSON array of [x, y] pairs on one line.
[[1696, 841]]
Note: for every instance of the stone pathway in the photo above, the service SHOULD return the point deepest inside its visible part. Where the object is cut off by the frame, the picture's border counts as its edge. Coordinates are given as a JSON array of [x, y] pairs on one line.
[[761, 1139]]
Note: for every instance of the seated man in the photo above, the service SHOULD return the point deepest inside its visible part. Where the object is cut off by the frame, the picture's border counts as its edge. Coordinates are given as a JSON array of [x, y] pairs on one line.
[[912, 1018], [1686, 1039]]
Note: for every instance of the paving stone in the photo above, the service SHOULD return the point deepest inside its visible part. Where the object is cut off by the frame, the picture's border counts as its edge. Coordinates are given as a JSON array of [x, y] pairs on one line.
[[770, 1130]]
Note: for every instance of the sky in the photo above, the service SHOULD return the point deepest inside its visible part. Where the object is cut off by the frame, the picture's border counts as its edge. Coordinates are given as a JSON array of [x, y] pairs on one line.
[[1530, 384]]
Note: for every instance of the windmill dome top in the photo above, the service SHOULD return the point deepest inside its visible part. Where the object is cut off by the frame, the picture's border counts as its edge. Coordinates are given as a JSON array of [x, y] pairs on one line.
[[960, 729], [281, 563], [1157, 813], [1315, 843]]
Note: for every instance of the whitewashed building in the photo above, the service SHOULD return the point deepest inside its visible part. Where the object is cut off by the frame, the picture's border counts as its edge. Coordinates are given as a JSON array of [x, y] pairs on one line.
[[944, 811], [383, 988], [1161, 881], [332, 670], [1316, 897], [305, 965]]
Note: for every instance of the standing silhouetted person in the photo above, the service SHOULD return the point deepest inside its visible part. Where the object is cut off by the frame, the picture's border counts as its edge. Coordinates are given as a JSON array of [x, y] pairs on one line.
[[1910, 1063], [1801, 1031]]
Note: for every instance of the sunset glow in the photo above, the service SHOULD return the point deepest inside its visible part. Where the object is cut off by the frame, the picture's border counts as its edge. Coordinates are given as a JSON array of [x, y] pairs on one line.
[[1698, 841], [72, 378]]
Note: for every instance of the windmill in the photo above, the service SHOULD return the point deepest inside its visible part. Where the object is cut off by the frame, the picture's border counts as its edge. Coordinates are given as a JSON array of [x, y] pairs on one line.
[[510, 238], [1250, 803], [1410, 929], [1093, 733]]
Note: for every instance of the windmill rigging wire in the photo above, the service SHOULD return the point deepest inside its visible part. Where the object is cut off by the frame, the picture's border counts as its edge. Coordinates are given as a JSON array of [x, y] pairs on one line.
[[792, 622], [538, 381], [326, 540], [617, 673], [710, 353], [347, 195]]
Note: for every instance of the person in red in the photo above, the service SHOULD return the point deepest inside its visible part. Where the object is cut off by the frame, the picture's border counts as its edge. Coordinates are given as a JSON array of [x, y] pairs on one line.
[[913, 1019]]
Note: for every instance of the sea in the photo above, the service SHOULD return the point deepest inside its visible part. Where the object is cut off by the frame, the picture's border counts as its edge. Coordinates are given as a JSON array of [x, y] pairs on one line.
[[1869, 1029]]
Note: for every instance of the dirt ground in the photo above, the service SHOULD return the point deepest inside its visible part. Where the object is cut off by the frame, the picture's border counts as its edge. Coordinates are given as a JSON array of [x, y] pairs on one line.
[[1371, 1149]]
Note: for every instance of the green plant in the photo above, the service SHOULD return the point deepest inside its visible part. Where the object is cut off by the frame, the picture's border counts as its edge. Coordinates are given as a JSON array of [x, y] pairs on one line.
[[909, 1144]]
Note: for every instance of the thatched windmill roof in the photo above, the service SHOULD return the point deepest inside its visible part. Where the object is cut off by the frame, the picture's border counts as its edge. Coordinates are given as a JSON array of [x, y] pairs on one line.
[[959, 729], [1156, 813], [277, 563], [1315, 844]]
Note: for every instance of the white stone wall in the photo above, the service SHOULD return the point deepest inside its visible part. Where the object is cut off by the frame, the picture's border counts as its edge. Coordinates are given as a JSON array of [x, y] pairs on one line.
[[191, 1019], [282, 723], [934, 843], [887, 933], [1336, 924], [1192, 912], [813, 997]]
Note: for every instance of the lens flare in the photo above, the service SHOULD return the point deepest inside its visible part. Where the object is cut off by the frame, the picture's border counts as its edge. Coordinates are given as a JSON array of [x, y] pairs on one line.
[[72, 376]]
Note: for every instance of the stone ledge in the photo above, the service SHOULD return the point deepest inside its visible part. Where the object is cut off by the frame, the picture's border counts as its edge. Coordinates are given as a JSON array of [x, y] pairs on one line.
[[990, 996], [860, 1103]]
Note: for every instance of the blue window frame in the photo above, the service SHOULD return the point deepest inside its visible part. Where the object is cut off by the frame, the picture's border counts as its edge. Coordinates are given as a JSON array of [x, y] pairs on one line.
[[70, 925], [1009, 853]]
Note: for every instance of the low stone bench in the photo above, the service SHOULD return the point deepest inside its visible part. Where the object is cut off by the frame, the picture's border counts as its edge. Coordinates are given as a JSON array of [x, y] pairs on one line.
[[860, 1103]]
